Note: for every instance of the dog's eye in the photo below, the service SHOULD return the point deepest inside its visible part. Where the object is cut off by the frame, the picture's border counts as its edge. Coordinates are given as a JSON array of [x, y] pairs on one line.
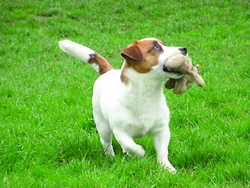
[[156, 47]]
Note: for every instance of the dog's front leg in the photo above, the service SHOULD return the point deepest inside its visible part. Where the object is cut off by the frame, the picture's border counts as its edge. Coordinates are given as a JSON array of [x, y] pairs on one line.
[[161, 141], [128, 145]]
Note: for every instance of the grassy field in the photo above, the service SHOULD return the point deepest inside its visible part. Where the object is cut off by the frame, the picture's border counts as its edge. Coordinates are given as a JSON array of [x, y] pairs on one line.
[[48, 137]]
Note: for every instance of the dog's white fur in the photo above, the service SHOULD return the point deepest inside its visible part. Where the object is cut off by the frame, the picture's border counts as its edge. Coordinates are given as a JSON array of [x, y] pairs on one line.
[[134, 107]]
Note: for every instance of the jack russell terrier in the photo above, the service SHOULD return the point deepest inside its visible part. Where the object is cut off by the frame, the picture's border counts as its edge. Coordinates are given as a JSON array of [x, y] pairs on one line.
[[130, 102]]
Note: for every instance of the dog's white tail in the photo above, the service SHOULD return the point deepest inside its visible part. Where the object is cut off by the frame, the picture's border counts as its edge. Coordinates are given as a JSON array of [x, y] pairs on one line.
[[85, 54]]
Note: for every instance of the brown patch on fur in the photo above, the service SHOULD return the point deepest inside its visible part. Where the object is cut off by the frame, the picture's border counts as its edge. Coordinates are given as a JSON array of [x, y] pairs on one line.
[[144, 60], [101, 62], [124, 79], [141, 55]]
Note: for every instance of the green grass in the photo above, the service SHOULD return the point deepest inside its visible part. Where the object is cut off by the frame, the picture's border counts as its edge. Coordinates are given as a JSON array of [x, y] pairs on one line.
[[48, 136]]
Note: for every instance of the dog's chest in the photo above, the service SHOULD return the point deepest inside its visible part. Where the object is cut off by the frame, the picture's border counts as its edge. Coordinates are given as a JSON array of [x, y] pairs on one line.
[[143, 117], [137, 109], [142, 124]]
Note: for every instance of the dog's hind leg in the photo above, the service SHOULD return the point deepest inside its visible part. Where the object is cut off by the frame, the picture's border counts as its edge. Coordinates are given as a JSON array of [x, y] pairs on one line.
[[102, 127], [106, 138]]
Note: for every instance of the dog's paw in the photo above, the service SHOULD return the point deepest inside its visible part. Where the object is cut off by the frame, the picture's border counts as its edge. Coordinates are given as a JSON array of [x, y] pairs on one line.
[[124, 152], [170, 169], [167, 165], [109, 151], [137, 152]]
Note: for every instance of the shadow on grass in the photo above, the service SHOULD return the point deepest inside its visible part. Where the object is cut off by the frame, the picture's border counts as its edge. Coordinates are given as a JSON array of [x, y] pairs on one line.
[[87, 149]]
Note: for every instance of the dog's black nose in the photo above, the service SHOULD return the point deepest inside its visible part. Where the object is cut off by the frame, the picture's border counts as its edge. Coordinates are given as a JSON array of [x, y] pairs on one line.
[[183, 50]]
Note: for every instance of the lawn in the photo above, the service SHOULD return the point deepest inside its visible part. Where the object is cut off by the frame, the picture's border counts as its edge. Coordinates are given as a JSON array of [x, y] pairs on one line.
[[48, 136]]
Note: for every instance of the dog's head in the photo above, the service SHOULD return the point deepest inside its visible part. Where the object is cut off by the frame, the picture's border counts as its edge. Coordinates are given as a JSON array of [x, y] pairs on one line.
[[149, 55]]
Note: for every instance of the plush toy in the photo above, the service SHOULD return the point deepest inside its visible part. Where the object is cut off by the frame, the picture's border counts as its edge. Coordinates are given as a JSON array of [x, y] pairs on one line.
[[183, 64]]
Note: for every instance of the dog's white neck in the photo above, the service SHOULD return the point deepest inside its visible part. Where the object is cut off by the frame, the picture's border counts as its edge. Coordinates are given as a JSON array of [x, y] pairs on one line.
[[143, 95], [143, 84]]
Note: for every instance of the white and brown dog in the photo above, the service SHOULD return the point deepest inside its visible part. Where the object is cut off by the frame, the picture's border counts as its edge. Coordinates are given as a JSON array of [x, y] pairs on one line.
[[130, 102]]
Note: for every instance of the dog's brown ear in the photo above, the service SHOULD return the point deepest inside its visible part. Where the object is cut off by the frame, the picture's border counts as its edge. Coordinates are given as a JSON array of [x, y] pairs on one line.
[[132, 52]]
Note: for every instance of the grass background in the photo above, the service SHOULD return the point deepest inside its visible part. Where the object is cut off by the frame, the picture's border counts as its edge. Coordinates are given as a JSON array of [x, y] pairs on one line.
[[48, 136]]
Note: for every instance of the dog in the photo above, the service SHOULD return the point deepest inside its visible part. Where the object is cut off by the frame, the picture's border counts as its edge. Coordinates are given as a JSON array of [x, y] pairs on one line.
[[130, 102]]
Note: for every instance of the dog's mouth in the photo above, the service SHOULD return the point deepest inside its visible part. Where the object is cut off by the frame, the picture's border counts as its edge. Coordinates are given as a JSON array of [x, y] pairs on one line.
[[171, 71]]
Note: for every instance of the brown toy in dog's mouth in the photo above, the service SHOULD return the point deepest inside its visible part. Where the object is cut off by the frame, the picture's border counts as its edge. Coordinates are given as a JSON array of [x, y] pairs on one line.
[[180, 64]]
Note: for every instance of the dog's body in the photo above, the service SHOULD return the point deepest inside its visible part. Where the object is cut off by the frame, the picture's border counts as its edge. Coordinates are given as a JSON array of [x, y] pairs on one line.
[[130, 103]]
